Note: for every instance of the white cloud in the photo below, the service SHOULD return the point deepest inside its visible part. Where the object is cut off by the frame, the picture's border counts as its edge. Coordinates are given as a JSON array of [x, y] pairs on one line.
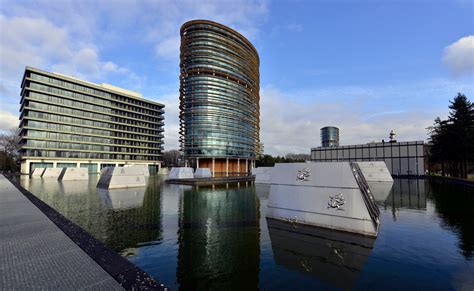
[[294, 27], [37, 42], [169, 47], [459, 56], [291, 121], [8, 120]]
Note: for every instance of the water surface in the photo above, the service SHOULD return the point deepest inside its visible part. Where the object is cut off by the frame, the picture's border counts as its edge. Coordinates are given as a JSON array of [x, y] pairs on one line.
[[218, 238]]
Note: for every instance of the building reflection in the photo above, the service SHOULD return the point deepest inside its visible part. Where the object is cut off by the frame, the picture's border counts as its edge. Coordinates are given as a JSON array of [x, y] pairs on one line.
[[123, 219], [334, 257], [219, 239], [407, 193]]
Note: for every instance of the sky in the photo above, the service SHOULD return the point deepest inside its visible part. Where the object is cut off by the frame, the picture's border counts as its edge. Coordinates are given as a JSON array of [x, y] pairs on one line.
[[365, 66]]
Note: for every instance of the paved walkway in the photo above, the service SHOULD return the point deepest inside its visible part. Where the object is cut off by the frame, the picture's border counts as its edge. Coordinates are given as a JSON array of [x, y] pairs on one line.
[[36, 254]]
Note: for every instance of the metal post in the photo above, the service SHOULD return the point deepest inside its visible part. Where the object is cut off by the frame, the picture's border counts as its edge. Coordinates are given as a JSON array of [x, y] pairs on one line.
[[238, 167], [246, 167], [227, 167], [213, 166]]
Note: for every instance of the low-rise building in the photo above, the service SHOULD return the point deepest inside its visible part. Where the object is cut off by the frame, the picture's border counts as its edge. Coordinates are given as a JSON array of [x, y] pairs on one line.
[[402, 158]]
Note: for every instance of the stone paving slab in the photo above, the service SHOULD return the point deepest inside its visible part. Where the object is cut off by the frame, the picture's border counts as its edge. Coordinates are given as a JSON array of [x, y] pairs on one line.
[[37, 255]]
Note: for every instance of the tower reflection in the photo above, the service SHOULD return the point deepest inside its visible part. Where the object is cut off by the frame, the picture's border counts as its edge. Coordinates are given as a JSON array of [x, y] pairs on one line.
[[219, 239]]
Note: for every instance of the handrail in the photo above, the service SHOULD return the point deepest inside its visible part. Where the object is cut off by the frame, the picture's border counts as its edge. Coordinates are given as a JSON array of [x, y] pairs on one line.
[[366, 193]]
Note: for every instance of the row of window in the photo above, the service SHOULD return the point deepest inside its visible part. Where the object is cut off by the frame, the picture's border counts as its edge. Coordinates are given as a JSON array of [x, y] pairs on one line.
[[87, 106], [85, 130], [90, 139], [87, 147], [218, 153], [82, 155], [88, 90], [85, 122]]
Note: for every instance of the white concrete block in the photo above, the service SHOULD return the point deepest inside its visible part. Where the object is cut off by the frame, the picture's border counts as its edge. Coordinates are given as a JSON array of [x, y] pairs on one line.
[[263, 175], [375, 171], [380, 190], [181, 173], [145, 170], [69, 174], [320, 194], [52, 173], [37, 172], [163, 171], [202, 173], [121, 177]]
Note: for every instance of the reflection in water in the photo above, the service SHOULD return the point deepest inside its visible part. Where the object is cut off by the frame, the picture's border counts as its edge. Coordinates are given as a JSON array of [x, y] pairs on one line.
[[219, 239], [406, 193], [122, 198], [123, 219], [335, 258], [455, 206]]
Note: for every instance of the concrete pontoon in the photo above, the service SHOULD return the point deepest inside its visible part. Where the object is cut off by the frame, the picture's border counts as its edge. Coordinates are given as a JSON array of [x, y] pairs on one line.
[[332, 195]]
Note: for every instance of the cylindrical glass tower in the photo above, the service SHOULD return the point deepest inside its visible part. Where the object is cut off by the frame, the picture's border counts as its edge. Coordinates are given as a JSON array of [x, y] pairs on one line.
[[329, 136], [219, 98]]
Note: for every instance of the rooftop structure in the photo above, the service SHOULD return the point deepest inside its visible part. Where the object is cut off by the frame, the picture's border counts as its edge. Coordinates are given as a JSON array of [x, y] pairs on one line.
[[329, 136]]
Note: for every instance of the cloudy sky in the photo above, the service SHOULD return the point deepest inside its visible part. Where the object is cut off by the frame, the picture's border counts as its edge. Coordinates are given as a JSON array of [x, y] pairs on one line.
[[366, 66]]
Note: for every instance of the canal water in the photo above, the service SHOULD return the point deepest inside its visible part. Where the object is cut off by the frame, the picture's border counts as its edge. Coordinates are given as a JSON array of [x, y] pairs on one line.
[[219, 239]]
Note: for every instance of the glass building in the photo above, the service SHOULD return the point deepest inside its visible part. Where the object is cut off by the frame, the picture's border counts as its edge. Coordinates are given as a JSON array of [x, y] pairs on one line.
[[67, 122], [329, 136], [219, 98]]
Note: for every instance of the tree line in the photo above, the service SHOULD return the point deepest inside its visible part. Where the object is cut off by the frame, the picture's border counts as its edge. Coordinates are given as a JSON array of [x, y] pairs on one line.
[[452, 139]]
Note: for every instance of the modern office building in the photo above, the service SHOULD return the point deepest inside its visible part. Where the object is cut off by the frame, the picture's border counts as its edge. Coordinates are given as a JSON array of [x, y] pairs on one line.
[[67, 122], [330, 136], [219, 98], [402, 158]]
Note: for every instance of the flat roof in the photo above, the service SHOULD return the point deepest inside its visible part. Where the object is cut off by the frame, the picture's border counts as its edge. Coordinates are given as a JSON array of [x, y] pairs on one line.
[[102, 87], [387, 143]]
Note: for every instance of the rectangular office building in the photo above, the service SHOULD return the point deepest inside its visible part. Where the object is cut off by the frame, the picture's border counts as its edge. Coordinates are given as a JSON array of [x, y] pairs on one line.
[[402, 158], [67, 122]]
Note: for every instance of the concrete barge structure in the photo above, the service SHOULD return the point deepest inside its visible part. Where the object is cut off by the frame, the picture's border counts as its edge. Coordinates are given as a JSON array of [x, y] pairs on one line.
[[327, 195]]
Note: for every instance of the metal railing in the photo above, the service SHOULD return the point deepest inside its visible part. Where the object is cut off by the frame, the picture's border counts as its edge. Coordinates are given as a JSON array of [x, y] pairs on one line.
[[366, 193]]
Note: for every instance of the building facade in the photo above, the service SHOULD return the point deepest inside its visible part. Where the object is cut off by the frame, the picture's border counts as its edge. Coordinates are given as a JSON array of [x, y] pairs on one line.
[[402, 158], [329, 136], [219, 99], [67, 122]]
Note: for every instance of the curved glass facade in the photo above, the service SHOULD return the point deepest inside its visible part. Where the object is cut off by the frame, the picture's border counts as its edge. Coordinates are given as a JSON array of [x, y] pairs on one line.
[[329, 136], [219, 92]]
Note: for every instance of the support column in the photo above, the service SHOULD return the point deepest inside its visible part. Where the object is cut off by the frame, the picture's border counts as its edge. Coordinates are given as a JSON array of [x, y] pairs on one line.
[[197, 163], [246, 167], [78, 165], [238, 167], [227, 167], [55, 164], [213, 166]]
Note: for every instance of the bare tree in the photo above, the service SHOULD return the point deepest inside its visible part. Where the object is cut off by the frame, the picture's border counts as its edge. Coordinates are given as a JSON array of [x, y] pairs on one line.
[[9, 150], [171, 158]]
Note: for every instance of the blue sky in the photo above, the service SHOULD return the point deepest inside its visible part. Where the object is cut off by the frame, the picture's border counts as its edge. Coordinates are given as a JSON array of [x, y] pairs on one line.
[[366, 66]]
